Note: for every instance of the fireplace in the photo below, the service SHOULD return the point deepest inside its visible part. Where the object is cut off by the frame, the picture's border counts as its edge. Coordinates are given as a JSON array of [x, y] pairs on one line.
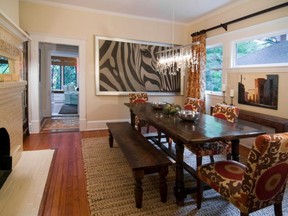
[[5, 158], [11, 92]]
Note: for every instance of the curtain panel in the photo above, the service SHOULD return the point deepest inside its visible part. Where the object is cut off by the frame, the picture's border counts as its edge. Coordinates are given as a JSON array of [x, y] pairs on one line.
[[196, 81]]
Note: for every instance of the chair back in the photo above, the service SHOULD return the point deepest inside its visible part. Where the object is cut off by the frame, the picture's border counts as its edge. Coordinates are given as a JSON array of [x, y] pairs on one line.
[[266, 172], [194, 104], [138, 97], [227, 112]]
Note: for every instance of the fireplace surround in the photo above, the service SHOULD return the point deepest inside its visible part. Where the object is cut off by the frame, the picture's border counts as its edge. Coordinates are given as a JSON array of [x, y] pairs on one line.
[[12, 85]]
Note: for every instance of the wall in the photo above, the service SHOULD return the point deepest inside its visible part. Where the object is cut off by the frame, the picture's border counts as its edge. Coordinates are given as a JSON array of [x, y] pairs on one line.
[[71, 23], [11, 9], [84, 25], [274, 21]]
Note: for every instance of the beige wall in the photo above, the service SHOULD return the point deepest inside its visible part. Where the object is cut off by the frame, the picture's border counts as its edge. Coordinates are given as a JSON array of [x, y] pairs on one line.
[[84, 25], [275, 21], [11, 9]]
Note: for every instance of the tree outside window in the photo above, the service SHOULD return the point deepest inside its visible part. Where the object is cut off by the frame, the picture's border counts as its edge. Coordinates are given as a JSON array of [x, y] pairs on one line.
[[214, 59]]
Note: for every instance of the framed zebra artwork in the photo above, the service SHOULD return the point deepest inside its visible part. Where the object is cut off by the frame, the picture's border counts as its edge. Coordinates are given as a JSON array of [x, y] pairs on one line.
[[125, 66]]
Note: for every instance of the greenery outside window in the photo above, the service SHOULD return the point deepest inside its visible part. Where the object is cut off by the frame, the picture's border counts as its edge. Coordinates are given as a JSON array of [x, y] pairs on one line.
[[63, 72], [272, 50], [214, 60]]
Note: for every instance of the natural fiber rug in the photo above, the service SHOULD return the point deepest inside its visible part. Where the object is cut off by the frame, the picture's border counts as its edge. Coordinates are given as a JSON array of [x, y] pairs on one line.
[[110, 188]]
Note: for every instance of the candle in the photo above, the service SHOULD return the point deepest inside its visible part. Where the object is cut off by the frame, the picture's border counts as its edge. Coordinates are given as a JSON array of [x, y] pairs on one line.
[[232, 93], [223, 87]]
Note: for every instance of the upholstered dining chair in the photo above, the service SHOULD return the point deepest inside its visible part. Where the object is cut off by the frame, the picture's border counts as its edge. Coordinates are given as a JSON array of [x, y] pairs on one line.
[[229, 113], [194, 104], [139, 98], [256, 185]]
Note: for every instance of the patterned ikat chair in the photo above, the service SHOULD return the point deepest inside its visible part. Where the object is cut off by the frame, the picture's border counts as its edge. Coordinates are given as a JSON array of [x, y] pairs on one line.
[[259, 184], [194, 104], [229, 113], [139, 98]]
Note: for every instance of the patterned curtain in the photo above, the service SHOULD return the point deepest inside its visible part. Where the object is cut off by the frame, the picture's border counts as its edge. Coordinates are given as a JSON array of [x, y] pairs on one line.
[[196, 85]]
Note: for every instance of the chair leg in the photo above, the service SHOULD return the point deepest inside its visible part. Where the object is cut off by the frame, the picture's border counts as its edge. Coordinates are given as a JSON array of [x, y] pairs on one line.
[[170, 142], [139, 128], [147, 129], [211, 158], [159, 136], [278, 209], [229, 156], [198, 161]]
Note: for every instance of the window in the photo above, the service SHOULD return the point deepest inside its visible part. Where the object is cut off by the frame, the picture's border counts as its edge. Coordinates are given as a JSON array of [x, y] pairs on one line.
[[63, 72], [262, 51], [214, 59]]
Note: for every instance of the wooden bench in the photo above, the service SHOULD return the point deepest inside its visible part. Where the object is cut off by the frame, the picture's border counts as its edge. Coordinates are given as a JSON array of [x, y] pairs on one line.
[[269, 123], [142, 156]]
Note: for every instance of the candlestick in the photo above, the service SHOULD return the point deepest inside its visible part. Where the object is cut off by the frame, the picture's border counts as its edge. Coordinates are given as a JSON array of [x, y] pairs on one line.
[[231, 104], [223, 95], [232, 93]]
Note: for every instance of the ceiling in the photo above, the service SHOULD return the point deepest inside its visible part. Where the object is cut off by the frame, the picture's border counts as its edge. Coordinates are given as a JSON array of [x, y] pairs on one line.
[[182, 11]]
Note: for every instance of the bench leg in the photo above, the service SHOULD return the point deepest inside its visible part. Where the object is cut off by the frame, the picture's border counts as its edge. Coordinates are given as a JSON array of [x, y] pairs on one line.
[[163, 183], [110, 139], [138, 191]]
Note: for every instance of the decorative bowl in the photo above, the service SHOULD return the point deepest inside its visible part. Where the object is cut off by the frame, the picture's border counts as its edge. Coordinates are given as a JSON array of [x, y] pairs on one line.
[[188, 115], [158, 105]]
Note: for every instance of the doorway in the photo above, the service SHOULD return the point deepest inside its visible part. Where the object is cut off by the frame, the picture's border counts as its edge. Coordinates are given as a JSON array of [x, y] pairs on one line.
[[59, 77], [41, 105]]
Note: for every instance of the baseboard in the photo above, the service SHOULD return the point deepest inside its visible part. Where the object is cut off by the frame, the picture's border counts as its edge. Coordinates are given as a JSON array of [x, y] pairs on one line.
[[101, 125]]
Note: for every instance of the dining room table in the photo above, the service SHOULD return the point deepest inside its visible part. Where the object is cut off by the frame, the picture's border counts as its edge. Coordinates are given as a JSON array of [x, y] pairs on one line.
[[206, 129]]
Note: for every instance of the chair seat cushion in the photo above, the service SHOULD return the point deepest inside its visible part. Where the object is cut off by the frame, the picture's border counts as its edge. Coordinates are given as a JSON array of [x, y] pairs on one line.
[[222, 173], [208, 149]]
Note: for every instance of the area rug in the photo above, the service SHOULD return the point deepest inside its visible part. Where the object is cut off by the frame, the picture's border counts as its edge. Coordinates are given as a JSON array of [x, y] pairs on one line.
[[61, 123], [22, 192], [68, 109], [110, 188]]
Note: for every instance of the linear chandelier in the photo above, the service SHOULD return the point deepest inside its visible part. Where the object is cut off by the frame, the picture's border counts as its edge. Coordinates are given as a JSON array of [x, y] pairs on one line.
[[177, 59]]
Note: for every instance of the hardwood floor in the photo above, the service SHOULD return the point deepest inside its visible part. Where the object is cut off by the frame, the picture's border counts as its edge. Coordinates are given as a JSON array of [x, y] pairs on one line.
[[65, 192]]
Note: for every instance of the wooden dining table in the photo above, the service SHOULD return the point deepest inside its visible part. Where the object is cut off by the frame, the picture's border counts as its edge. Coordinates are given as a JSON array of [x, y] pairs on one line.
[[206, 129]]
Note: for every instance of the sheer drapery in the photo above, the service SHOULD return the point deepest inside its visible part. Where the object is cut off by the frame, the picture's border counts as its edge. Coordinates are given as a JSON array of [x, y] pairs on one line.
[[196, 85]]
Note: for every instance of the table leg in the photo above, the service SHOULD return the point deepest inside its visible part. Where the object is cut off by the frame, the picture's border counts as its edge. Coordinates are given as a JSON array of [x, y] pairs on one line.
[[179, 190], [235, 149]]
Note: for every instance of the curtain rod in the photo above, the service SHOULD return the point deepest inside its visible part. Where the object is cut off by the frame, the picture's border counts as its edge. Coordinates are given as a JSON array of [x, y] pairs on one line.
[[225, 25]]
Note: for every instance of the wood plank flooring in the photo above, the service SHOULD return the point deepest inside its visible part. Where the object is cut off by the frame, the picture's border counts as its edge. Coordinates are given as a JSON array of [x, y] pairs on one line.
[[65, 192]]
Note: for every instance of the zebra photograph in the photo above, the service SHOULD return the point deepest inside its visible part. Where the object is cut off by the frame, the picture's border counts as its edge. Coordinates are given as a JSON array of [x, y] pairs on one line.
[[124, 66]]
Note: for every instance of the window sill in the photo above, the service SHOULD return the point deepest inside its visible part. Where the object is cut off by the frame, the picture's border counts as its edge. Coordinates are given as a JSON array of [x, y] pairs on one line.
[[214, 93]]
